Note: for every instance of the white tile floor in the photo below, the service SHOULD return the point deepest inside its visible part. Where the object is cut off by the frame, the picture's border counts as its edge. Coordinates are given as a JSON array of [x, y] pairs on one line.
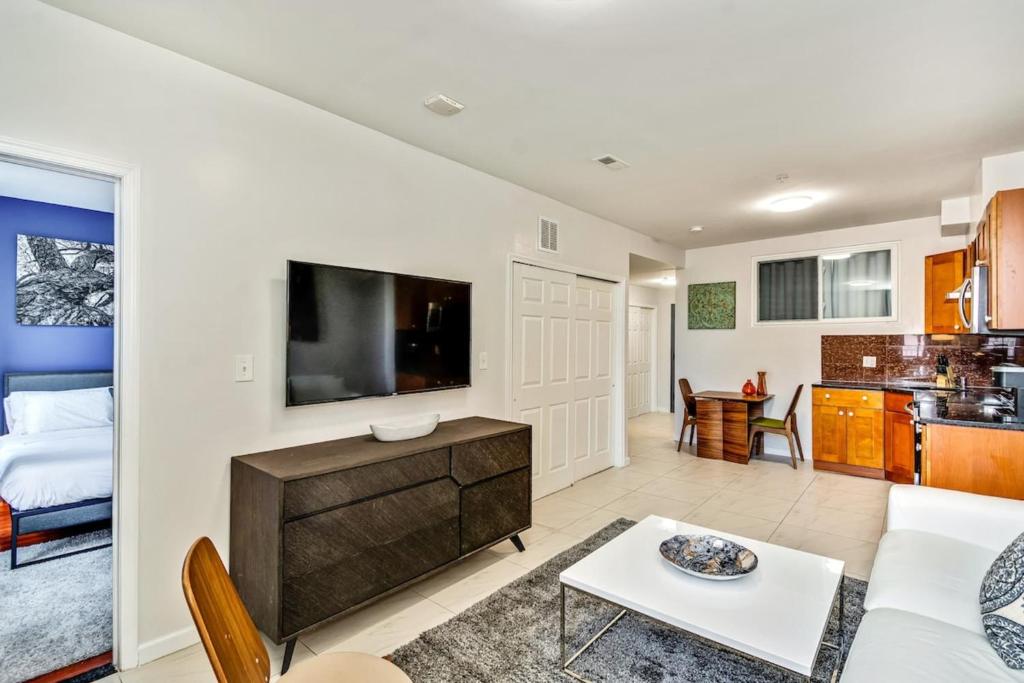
[[832, 515]]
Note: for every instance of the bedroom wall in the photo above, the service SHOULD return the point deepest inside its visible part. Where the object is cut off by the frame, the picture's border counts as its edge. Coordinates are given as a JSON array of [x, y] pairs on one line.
[[235, 180], [37, 348]]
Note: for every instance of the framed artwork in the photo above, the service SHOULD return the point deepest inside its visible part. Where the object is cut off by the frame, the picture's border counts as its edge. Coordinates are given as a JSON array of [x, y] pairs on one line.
[[711, 306], [64, 282]]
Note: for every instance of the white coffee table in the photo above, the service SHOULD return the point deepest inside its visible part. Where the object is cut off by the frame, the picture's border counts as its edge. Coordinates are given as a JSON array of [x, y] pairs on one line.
[[776, 614]]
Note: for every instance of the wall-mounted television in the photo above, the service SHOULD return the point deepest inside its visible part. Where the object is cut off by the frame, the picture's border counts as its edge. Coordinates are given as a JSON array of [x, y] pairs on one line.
[[356, 333]]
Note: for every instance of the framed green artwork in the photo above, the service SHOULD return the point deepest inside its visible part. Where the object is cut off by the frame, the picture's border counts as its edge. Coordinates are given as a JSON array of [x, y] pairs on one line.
[[712, 306]]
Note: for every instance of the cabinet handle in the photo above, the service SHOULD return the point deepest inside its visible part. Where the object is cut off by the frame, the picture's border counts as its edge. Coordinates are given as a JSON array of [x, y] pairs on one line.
[[828, 395], [841, 413], [863, 398], [851, 413]]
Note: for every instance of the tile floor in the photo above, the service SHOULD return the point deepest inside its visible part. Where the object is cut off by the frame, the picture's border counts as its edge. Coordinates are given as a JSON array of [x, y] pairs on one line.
[[828, 514]]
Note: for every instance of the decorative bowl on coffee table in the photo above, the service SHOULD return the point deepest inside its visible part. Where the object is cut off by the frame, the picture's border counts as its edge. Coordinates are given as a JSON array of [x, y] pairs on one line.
[[708, 557]]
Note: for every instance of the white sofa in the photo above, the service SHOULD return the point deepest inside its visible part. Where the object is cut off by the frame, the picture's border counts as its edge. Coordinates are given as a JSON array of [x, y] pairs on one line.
[[923, 620]]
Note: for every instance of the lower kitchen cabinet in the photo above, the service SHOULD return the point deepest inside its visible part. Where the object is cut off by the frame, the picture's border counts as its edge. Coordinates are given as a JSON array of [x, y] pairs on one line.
[[973, 459], [849, 431], [899, 439]]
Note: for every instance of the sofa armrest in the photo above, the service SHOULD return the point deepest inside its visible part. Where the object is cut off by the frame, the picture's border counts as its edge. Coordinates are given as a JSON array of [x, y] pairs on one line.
[[987, 521]]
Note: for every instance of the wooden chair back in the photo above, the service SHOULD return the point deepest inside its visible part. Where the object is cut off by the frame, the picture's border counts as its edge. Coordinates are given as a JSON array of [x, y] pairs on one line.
[[688, 400], [792, 404], [228, 633]]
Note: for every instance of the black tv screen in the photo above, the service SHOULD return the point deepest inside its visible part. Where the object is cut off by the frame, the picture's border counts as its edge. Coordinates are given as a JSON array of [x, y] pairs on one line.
[[355, 333]]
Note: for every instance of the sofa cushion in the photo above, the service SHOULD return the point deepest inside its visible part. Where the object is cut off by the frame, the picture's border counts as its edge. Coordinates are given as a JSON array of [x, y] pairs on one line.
[[893, 645], [1002, 608], [931, 575]]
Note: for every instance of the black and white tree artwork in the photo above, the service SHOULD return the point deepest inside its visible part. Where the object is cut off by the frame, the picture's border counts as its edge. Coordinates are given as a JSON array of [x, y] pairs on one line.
[[64, 282]]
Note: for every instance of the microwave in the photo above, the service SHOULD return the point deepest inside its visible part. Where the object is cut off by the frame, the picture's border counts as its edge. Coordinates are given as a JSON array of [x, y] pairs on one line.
[[972, 301]]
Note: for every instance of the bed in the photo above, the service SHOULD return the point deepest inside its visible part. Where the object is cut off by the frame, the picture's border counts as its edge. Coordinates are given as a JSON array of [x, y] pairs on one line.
[[56, 479]]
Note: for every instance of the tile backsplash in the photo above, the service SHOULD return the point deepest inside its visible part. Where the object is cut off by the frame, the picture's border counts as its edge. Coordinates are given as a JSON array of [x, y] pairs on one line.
[[911, 357]]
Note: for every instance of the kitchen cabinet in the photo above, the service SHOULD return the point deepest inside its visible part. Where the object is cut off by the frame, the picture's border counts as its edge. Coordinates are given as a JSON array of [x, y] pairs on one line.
[[899, 439], [973, 459], [849, 431], [999, 244], [943, 274]]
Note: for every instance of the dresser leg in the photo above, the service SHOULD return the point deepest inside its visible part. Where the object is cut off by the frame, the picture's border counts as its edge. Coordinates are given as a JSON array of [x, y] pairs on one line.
[[518, 543], [289, 650]]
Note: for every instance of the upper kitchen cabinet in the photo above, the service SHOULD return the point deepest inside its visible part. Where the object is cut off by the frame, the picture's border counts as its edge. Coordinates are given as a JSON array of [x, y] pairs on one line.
[[943, 274], [1000, 246]]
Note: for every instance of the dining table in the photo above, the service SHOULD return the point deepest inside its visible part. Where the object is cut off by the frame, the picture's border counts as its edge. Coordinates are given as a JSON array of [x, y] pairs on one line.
[[723, 424]]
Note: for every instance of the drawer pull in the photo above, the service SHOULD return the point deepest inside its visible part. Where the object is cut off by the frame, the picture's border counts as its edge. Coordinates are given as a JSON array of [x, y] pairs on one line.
[[851, 413], [841, 413], [828, 395], [863, 398]]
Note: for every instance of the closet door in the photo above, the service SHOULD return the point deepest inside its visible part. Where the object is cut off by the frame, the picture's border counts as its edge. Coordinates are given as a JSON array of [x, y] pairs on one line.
[[592, 376], [638, 370], [542, 383]]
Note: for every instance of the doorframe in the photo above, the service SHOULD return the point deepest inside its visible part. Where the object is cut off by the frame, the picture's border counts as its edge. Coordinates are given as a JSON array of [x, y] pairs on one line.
[[619, 299], [127, 339], [653, 398]]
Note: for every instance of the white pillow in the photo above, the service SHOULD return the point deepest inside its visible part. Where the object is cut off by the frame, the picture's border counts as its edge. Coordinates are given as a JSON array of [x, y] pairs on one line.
[[8, 415], [35, 412]]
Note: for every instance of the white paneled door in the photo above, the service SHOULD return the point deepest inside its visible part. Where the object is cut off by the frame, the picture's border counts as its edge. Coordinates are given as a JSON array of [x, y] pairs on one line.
[[638, 368], [561, 372], [592, 379]]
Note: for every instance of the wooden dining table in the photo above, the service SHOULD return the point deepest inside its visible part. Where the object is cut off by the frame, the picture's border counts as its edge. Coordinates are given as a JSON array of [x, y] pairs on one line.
[[723, 424]]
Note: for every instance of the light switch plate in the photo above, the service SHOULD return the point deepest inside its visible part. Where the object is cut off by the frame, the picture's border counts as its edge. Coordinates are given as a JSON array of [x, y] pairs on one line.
[[869, 361], [243, 368], [483, 360]]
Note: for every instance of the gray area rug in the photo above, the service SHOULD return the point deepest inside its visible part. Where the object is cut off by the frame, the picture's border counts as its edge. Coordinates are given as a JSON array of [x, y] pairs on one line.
[[513, 636], [55, 613]]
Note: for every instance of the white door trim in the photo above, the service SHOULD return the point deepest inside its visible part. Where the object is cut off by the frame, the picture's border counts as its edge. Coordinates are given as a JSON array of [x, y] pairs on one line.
[[127, 339], [619, 296]]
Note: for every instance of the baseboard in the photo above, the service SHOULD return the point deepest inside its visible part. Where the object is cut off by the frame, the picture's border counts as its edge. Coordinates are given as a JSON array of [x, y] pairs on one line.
[[167, 644]]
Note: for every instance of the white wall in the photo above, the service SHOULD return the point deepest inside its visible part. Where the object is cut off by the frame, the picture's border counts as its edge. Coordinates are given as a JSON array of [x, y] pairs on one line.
[[1003, 172], [660, 299], [724, 359], [235, 180]]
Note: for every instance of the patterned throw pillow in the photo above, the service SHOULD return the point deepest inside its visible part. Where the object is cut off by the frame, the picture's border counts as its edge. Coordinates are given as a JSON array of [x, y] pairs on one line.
[[1002, 604]]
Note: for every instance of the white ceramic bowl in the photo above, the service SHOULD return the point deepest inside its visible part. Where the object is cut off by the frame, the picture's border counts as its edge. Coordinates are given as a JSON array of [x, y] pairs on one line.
[[409, 428]]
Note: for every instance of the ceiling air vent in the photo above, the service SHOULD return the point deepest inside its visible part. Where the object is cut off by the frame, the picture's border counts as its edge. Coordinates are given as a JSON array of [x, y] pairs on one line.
[[547, 235], [611, 163]]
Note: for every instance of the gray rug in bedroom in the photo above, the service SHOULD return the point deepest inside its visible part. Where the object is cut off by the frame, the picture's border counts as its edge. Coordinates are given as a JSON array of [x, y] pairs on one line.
[[513, 636], [55, 613]]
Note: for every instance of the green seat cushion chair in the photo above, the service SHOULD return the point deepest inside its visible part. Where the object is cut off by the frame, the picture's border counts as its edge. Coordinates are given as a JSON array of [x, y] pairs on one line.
[[769, 422]]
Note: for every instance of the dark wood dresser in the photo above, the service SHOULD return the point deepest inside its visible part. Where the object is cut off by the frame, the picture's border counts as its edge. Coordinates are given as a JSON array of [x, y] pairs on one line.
[[323, 529]]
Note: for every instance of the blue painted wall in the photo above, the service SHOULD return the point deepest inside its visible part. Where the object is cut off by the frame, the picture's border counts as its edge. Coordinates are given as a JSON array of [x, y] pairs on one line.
[[30, 348]]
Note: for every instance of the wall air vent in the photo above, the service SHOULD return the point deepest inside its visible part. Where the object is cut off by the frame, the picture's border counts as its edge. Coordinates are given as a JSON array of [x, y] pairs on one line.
[[547, 235], [611, 163]]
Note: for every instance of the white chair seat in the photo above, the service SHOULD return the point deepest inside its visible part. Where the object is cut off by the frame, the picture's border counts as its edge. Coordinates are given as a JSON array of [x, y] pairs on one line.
[[344, 667], [892, 645], [931, 575]]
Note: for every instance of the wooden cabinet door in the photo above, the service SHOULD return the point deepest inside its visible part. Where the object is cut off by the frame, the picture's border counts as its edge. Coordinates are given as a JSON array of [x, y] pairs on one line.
[[943, 273], [829, 428], [865, 438], [1005, 234], [899, 447]]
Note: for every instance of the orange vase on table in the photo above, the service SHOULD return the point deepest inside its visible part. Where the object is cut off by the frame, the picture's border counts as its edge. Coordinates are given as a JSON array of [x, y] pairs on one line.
[[749, 389], [762, 383]]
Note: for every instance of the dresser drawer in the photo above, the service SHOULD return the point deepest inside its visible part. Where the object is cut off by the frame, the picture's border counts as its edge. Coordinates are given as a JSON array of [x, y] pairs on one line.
[[305, 496], [472, 462], [495, 508], [848, 398]]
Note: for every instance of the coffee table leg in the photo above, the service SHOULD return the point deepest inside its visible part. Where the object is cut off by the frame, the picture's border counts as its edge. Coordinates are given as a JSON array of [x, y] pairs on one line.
[[562, 627]]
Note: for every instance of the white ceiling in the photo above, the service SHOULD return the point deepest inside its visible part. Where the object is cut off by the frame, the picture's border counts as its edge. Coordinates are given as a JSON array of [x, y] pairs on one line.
[[54, 187], [884, 107]]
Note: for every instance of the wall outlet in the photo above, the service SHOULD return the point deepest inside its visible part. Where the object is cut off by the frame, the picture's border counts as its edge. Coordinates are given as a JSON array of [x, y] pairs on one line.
[[869, 361], [243, 368], [483, 360]]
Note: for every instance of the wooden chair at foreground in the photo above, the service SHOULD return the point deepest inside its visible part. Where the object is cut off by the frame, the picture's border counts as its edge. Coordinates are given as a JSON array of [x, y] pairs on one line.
[[689, 411], [785, 427], [233, 644]]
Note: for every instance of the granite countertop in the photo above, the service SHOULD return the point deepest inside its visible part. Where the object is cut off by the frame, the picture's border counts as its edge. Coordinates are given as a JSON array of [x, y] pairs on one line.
[[989, 408], [907, 386]]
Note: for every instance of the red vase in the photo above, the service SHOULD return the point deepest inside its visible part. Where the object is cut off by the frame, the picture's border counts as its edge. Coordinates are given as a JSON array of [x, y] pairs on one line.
[[749, 389]]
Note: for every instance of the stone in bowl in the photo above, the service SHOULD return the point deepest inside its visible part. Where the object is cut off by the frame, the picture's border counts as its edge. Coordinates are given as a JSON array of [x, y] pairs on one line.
[[709, 557]]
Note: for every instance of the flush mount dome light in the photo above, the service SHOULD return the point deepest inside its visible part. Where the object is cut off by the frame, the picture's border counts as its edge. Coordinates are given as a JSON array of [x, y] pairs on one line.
[[793, 203], [696, 228]]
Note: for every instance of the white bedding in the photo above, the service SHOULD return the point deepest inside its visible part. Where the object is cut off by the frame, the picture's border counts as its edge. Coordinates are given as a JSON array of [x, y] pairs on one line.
[[55, 468]]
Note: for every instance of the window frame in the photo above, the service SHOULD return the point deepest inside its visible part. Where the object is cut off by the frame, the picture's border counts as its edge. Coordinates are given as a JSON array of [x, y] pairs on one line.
[[894, 268]]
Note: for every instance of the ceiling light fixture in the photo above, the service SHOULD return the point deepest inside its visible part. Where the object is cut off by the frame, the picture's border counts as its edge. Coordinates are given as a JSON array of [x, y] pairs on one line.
[[834, 257], [793, 203], [696, 228], [443, 105]]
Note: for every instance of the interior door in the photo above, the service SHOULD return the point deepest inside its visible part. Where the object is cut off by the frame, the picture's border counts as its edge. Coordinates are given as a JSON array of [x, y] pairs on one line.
[[640, 361], [542, 386], [592, 376]]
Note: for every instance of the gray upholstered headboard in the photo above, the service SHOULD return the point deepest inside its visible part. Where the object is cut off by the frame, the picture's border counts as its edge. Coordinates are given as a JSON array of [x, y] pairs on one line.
[[56, 381]]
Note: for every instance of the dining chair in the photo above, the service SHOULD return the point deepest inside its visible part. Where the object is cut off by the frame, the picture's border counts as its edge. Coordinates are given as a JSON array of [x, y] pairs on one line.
[[689, 411], [785, 427], [233, 645]]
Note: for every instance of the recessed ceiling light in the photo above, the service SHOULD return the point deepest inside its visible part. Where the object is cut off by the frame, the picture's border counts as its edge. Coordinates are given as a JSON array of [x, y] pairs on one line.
[[696, 228], [793, 203], [834, 257]]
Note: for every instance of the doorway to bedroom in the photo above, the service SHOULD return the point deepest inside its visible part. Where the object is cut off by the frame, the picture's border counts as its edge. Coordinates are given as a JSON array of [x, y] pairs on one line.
[[57, 422]]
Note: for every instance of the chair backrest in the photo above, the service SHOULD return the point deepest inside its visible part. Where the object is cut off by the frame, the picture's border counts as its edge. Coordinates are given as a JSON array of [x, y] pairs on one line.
[[792, 404], [230, 637], [688, 400]]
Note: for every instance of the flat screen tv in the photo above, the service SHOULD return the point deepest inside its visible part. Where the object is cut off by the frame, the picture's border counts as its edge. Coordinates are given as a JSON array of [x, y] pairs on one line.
[[356, 333]]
